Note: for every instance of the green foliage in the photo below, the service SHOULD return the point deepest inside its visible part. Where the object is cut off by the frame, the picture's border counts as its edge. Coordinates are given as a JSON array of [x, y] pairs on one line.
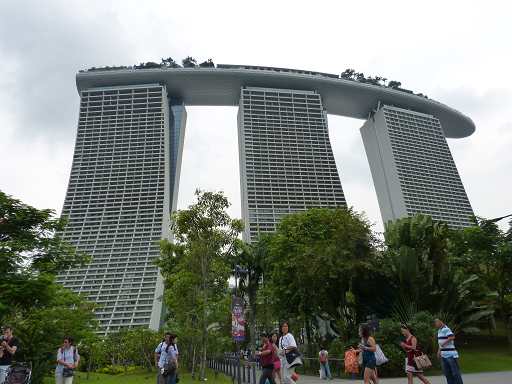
[[196, 269], [207, 64], [421, 276], [315, 258], [484, 250], [350, 74], [189, 62], [42, 331], [32, 253]]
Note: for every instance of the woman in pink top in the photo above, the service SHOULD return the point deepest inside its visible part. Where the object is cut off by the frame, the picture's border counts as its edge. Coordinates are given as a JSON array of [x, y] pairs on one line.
[[277, 362], [267, 356]]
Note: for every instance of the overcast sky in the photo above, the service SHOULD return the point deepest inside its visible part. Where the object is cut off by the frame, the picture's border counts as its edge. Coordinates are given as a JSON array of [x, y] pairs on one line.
[[456, 52]]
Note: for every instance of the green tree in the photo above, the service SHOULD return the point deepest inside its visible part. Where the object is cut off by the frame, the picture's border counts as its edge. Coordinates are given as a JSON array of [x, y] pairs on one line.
[[203, 254], [189, 62], [206, 64], [485, 250], [251, 258], [32, 253], [41, 331], [314, 258], [422, 277], [169, 62]]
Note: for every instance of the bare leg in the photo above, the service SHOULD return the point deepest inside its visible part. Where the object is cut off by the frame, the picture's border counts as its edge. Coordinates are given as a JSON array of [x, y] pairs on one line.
[[369, 374], [422, 378], [409, 377]]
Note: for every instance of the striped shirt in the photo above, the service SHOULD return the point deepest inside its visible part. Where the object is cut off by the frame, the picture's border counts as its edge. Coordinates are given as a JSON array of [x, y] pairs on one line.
[[449, 349]]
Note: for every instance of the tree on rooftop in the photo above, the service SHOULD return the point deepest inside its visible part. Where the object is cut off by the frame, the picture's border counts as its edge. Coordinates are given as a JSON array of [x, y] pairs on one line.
[[189, 62]]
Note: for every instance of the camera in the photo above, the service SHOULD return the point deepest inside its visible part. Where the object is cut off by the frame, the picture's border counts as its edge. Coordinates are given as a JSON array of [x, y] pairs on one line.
[[3, 338]]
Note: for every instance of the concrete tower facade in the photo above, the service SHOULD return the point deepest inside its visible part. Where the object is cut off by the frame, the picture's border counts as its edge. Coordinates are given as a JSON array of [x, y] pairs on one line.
[[123, 186], [412, 167], [286, 159], [126, 168]]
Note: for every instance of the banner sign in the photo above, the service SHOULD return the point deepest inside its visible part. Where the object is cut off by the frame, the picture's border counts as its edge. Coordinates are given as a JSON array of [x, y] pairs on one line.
[[373, 322], [237, 320]]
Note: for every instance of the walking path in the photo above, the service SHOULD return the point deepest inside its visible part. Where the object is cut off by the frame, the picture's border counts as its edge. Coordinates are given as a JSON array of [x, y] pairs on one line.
[[502, 377]]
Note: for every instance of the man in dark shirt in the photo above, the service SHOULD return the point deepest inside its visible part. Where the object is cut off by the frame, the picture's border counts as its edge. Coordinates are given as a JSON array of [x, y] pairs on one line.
[[8, 348]]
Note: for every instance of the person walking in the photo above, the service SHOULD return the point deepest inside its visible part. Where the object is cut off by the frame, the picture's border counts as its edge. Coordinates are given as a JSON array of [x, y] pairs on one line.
[[447, 352], [286, 344], [367, 347], [277, 361], [161, 356], [172, 356], [266, 359], [67, 360], [324, 363], [411, 349]]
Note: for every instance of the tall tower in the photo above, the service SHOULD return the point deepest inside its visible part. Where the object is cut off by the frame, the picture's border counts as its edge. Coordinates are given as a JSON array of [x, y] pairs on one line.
[[122, 189], [286, 159], [412, 167]]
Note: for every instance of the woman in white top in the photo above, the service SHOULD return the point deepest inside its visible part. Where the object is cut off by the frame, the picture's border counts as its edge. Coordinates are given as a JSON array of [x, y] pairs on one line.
[[286, 344], [67, 357]]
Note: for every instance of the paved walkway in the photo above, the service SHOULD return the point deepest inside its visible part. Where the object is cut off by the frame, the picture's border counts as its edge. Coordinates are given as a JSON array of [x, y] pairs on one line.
[[503, 377]]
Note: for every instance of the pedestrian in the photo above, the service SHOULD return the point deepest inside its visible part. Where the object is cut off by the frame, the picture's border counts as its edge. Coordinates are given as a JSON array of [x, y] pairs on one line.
[[411, 348], [448, 353], [266, 356], [172, 356], [67, 362], [367, 347], [286, 344], [324, 363], [161, 355], [277, 361], [8, 348]]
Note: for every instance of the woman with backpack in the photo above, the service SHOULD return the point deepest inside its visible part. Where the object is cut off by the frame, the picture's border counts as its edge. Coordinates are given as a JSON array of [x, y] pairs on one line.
[[67, 359], [324, 363]]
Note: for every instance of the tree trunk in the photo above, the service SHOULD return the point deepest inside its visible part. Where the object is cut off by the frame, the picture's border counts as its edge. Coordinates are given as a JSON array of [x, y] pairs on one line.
[[267, 319], [192, 347], [90, 362], [341, 321], [204, 328]]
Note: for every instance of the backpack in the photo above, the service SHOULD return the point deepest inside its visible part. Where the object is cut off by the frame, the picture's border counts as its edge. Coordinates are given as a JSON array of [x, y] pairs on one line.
[[74, 352], [323, 359]]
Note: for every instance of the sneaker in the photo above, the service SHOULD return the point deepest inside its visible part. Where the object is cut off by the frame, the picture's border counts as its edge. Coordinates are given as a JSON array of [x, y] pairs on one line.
[[330, 378]]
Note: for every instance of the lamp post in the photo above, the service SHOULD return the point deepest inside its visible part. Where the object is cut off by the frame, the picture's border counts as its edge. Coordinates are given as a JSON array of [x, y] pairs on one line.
[[239, 377]]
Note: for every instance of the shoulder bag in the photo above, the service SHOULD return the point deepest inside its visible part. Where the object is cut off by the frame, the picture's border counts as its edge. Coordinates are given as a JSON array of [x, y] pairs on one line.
[[168, 368], [68, 372], [422, 362], [380, 357]]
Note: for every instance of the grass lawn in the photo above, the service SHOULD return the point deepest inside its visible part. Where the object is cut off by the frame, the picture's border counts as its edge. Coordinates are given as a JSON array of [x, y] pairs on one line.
[[479, 352], [138, 377]]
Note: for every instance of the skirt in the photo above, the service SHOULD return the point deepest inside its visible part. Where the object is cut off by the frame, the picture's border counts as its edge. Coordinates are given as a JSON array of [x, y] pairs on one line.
[[277, 365], [413, 369]]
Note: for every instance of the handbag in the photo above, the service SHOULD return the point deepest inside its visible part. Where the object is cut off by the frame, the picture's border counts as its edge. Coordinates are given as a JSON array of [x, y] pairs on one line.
[[380, 357], [292, 356], [295, 377], [422, 362], [360, 358], [351, 362], [68, 372], [168, 368]]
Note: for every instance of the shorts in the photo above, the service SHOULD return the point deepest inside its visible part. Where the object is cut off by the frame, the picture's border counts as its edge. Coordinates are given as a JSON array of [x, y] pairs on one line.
[[277, 365], [370, 364]]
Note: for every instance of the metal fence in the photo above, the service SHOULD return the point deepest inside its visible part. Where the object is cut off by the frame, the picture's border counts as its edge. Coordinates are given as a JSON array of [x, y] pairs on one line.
[[228, 366]]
